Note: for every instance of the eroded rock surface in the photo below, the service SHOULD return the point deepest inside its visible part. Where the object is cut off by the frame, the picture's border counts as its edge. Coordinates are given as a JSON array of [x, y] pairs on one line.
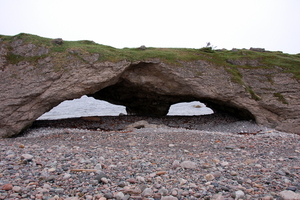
[[35, 78]]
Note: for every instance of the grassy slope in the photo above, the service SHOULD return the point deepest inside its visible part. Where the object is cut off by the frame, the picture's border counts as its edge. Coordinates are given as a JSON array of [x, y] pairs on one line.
[[289, 63]]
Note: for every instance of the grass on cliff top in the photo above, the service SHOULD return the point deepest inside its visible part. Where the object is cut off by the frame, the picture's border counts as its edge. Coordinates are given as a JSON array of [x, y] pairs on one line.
[[289, 63]]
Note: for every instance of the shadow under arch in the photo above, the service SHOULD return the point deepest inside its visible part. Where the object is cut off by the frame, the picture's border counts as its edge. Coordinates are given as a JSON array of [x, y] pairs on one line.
[[142, 102]]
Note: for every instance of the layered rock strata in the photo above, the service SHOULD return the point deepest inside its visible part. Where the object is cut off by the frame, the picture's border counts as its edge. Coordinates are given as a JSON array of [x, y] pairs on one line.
[[37, 76]]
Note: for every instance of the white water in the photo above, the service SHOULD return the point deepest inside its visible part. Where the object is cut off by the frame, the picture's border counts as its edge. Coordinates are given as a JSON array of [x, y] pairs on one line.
[[88, 106]]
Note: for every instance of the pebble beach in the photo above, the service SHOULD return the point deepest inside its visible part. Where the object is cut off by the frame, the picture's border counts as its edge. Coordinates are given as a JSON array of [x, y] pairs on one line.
[[176, 158]]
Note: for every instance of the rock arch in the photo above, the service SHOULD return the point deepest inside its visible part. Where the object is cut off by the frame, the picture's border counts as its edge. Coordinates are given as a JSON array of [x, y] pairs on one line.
[[33, 80], [148, 88]]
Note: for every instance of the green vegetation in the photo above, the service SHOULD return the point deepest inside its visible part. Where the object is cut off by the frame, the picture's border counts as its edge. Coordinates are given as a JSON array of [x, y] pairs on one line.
[[173, 56], [207, 50], [289, 63], [280, 98], [13, 58]]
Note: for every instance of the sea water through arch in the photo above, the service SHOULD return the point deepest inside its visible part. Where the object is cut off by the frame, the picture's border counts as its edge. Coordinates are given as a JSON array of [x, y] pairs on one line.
[[88, 106]]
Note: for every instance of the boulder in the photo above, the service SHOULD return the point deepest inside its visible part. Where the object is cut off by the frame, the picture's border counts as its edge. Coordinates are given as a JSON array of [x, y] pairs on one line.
[[143, 47], [58, 41], [36, 75], [258, 49]]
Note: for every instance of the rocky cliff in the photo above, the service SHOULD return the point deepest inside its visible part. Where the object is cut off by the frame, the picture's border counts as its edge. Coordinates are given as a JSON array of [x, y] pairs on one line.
[[37, 74]]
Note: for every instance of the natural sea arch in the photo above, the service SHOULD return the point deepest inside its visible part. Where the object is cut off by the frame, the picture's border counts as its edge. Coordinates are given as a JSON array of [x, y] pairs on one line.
[[38, 73]]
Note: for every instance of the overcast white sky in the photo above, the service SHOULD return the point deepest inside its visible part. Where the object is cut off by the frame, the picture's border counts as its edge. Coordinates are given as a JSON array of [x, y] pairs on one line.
[[270, 24]]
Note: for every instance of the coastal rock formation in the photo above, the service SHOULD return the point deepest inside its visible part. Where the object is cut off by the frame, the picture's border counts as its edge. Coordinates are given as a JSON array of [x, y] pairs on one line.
[[37, 74]]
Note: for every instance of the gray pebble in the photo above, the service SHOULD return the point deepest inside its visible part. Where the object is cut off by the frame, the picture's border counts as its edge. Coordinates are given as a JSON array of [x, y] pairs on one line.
[[148, 192], [188, 164], [122, 184], [100, 176], [163, 191], [239, 194], [169, 198], [119, 195], [108, 195], [27, 157]]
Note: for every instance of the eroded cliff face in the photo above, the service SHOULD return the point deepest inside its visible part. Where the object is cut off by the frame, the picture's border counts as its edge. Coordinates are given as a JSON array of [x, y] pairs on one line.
[[37, 76]]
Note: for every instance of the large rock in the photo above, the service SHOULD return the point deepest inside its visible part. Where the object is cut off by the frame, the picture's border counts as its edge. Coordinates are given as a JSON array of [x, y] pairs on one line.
[[37, 74]]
